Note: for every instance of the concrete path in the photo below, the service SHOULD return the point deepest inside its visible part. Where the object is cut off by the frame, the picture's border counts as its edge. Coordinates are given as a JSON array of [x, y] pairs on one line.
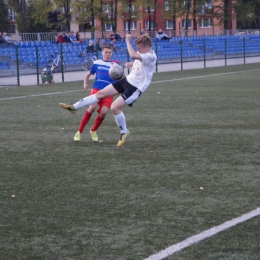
[[26, 80]]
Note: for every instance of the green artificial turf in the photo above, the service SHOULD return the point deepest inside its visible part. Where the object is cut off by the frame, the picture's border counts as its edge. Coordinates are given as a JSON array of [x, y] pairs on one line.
[[191, 163]]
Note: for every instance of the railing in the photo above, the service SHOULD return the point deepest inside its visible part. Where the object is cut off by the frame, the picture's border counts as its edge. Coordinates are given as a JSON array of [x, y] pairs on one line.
[[51, 36], [48, 36]]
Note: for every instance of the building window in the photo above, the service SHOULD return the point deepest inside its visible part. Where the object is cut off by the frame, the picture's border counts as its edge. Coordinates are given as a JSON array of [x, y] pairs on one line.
[[108, 27], [84, 27], [147, 25], [169, 24], [132, 25], [11, 14], [183, 23], [166, 6], [204, 23]]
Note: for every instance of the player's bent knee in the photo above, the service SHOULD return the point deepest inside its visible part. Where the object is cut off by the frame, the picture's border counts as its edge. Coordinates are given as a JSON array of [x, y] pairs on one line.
[[100, 94], [115, 109]]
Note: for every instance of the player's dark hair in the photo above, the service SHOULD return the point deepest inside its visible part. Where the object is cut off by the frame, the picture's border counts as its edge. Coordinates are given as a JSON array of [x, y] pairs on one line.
[[144, 40]]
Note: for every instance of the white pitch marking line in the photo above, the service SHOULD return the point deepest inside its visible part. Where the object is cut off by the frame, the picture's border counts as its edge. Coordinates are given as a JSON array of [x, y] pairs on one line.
[[204, 76], [203, 235], [154, 82], [45, 94]]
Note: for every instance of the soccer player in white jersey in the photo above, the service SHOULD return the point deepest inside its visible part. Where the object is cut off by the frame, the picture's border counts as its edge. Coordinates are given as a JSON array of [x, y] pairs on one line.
[[129, 87], [100, 68]]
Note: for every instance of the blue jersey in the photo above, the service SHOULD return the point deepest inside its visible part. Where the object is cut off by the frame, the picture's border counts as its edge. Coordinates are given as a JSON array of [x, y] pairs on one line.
[[101, 68]]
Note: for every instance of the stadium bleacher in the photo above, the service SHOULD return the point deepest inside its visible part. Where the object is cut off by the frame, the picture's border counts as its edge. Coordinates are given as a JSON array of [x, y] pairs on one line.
[[194, 46]]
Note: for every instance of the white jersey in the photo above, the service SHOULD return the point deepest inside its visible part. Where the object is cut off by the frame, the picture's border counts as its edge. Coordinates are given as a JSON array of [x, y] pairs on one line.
[[142, 71]]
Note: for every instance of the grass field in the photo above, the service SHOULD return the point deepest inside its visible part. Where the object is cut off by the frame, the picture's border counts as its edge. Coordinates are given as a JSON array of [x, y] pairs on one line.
[[191, 163]]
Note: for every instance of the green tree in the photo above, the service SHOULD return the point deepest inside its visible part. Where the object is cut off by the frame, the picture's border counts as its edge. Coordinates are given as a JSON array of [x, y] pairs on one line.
[[20, 7], [246, 14], [223, 11], [3, 16], [89, 10], [173, 9], [148, 6], [38, 12], [64, 17]]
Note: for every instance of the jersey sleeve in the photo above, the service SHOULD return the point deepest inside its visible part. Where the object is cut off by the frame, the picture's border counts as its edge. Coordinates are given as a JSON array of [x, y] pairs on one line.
[[93, 68], [147, 57]]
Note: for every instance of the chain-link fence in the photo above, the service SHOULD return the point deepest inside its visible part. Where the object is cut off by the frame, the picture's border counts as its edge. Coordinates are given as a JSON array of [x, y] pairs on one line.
[[8, 65], [32, 63]]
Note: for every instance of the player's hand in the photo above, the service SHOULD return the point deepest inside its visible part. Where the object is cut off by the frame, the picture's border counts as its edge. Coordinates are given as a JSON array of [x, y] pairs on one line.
[[128, 36], [86, 87], [128, 65]]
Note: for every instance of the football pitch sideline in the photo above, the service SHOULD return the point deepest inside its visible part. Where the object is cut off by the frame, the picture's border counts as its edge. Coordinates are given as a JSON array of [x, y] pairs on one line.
[[185, 186]]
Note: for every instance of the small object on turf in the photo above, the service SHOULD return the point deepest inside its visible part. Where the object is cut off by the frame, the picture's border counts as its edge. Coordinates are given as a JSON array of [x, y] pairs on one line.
[[77, 137], [68, 107], [116, 71], [122, 138], [94, 135]]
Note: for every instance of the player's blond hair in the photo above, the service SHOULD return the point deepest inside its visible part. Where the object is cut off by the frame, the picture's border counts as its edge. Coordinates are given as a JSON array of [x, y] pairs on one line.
[[107, 46], [144, 40]]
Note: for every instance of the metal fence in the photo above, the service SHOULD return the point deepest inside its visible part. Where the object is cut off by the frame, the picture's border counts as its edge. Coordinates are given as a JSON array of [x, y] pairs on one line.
[[32, 63]]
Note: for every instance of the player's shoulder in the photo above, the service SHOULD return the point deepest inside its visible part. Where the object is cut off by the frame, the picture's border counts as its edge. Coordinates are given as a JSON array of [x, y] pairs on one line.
[[148, 55]]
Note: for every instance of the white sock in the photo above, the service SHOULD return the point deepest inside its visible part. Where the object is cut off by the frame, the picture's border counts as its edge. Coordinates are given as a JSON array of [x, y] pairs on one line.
[[120, 121], [86, 102]]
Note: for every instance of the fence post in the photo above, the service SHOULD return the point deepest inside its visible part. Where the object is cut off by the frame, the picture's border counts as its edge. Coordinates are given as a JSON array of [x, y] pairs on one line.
[[61, 60], [244, 46], [225, 43], [204, 56], [17, 66], [181, 55], [156, 51], [37, 63]]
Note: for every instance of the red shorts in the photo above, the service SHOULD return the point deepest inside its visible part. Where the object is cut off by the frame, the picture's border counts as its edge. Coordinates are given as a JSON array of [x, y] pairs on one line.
[[104, 102]]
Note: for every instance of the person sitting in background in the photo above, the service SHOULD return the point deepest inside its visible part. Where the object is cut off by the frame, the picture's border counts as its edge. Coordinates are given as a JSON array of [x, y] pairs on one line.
[[6, 37], [73, 37], [67, 37], [78, 37], [90, 48], [117, 36], [111, 37], [143, 31], [99, 44], [2, 40], [112, 42], [162, 36], [60, 38]]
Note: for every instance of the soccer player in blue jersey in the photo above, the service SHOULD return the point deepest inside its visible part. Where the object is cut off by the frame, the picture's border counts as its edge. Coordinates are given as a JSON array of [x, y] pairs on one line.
[[100, 68]]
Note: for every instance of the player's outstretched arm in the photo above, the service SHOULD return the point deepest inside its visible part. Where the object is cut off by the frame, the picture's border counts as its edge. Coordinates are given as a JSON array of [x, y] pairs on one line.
[[132, 53], [86, 78]]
